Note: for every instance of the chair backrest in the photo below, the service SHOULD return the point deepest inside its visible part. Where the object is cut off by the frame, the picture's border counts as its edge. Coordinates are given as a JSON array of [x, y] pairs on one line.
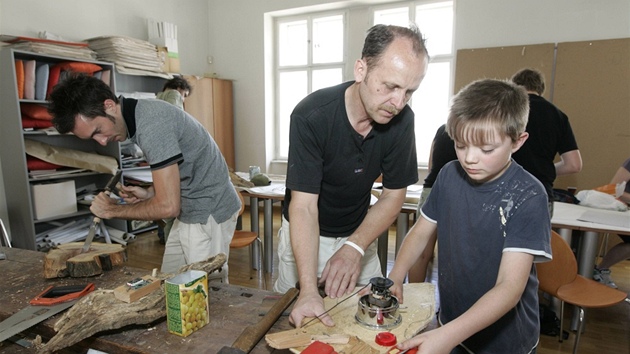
[[562, 269], [240, 196]]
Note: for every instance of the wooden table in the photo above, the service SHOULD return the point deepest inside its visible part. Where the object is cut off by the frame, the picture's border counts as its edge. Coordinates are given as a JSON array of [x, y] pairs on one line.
[[232, 308]]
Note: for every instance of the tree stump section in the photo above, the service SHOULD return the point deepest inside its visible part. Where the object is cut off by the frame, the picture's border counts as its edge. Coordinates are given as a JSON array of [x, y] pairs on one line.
[[67, 260]]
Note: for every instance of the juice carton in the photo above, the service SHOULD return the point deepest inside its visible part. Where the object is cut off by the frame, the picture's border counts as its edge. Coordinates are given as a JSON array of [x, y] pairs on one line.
[[187, 302]]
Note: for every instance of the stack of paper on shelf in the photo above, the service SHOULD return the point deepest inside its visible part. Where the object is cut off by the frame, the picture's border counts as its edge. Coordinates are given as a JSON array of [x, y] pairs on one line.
[[131, 56], [76, 50], [164, 36]]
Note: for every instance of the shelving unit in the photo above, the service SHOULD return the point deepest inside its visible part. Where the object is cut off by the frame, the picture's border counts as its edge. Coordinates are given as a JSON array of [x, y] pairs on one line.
[[17, 182]]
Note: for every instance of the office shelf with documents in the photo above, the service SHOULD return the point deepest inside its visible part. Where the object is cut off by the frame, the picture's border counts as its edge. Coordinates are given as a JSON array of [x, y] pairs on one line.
[[42, 197]]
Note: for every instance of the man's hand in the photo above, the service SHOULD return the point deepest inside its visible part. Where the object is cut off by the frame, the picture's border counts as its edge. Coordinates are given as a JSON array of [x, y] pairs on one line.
[[134, 194], [342, 272], [102, 205], [309, 305]]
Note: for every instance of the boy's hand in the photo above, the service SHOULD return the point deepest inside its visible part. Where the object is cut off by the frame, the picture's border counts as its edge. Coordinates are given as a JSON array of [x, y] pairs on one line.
[[397, 291], [436, 341]]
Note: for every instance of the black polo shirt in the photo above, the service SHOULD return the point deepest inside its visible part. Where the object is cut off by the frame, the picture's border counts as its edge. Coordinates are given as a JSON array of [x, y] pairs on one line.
[[328, 157]]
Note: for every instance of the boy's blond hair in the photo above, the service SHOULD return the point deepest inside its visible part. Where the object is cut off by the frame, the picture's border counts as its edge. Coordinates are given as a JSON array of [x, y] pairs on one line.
[[487, 106]]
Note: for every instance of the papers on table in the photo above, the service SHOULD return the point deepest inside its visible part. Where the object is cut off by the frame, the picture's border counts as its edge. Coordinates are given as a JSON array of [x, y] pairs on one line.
[[618, 219], [270, 190]]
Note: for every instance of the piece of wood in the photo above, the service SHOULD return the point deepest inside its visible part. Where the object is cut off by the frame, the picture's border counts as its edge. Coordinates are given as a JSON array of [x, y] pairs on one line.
[[300, 338], [357, 346], [67, 259], [417, 312], [128, 293], [100, 310]]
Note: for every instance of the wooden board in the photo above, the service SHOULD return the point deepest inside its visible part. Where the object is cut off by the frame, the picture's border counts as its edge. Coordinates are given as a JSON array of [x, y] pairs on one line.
[[592, 87], [417, 312], [503, 62]]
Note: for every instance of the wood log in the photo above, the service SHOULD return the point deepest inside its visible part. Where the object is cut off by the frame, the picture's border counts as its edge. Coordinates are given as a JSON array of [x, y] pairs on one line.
[[67, 259], [239, 181], [100, 310]]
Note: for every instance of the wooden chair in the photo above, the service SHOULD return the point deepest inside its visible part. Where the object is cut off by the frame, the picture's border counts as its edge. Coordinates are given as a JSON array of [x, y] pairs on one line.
[[244, 238], [559, 278]]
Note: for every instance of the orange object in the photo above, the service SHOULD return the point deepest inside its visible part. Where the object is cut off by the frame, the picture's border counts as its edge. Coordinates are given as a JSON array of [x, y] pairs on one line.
[[608, 189], [54, 295], [318, 347]]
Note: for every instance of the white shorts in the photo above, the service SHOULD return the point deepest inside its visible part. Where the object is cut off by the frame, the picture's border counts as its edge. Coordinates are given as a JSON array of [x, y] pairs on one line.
[[190, 243], [287, 269]]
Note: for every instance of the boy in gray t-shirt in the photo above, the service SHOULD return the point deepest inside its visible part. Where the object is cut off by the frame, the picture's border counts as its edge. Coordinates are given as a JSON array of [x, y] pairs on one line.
[[492, 224]]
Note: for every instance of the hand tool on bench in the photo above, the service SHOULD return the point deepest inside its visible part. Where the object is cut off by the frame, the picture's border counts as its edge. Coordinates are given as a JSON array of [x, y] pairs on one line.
[[51, 301], [95, 223], [251, 335]]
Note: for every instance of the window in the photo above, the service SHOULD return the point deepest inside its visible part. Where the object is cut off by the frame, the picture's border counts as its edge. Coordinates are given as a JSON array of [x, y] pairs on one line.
[[311, 53], [310, 56], [431, 102]]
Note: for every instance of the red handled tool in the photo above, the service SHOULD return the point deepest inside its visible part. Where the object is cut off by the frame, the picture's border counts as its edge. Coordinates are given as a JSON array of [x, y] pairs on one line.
[[50, 302]]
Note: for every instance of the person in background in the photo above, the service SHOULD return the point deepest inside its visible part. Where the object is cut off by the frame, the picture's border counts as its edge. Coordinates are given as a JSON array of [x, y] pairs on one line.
[[621, 251], [442, 151], [341, 139], [550, 133], [174, 92], [190, 176], [492, 225]]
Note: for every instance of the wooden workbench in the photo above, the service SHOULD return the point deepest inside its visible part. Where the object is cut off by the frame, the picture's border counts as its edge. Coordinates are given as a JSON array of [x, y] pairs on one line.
[[232, 308]]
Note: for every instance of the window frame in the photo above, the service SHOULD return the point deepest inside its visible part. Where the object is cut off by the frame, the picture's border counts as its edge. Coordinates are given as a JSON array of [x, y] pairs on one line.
[[439, 58], [309, 67], [347, 64]]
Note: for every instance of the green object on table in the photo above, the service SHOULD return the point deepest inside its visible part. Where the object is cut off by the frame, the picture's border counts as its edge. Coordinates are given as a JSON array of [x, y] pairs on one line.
[[260, 179]]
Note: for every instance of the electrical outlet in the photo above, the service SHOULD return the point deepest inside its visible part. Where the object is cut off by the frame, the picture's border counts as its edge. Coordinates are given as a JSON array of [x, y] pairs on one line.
[[210, 59]]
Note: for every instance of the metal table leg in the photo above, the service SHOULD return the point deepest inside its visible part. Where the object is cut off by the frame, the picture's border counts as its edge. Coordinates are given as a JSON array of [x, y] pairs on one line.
[[255, 227], [268, 248]]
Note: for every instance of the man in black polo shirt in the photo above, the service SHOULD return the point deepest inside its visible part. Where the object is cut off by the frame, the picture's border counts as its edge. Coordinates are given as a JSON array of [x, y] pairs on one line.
[[342, 139]]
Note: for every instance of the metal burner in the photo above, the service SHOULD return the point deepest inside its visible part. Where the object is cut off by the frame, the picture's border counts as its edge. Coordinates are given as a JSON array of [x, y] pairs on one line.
[[379, 309]]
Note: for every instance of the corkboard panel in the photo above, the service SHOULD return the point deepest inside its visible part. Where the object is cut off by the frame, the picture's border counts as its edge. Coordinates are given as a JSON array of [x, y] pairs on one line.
[[502, 63], [592, 86]]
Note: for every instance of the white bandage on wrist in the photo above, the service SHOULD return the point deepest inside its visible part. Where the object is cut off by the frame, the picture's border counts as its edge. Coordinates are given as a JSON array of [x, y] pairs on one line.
[[356, 247]]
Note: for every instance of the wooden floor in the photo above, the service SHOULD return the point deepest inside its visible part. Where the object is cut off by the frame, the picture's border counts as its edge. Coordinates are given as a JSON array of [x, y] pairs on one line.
[[607, 330]]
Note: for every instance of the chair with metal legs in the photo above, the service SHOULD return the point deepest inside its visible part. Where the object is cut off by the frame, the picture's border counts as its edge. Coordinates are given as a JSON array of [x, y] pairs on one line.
[[560, 279], [244, 238]]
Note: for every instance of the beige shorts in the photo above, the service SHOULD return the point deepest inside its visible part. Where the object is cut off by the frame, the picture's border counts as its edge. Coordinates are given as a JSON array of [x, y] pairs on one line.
[[287, 269], [190, 243]]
